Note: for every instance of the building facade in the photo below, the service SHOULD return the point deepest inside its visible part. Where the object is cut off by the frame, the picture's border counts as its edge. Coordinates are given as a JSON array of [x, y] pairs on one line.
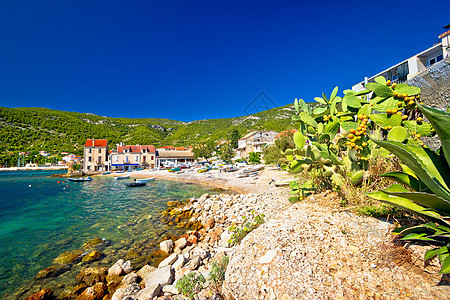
[[413, 66], [173, 156], [96, 154], [131, 157], [254, 142]]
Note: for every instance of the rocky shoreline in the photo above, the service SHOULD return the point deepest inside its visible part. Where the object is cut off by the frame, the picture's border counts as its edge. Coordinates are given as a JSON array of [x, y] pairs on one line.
[[314, 249]]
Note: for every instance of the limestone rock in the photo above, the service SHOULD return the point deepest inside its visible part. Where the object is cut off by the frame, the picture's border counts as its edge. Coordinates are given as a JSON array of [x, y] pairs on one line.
[[145, 270], [162, 276], [95, 292], [68, 257], [171, 289], [93, 243], [117, 269], [166, 246], [149, 292], [210, 223], [168, 260], [180, 262], [123, 292], [92, 256], [181, 243], [194, 263]]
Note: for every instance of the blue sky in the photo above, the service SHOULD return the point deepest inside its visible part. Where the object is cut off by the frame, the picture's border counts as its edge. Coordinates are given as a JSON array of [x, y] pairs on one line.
[[191, 60]]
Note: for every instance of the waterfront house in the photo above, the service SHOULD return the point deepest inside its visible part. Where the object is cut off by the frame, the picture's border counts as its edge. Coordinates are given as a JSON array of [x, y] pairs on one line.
[[96, 155], [172, 156], [254, 142], [131, 157], [414, 65]]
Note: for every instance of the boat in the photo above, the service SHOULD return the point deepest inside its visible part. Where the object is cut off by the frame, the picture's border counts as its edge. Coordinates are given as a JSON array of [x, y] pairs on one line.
[[203, 170], [120, 171], [231, 170], [242, 175], [135, 184], [176, 169], [81, 179], [121, 177], [106, 173], [281, 182], [145, 179], [253, 170]]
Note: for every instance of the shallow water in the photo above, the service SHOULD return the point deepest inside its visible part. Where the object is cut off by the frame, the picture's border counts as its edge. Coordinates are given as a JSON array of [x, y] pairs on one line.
[[41, 218]]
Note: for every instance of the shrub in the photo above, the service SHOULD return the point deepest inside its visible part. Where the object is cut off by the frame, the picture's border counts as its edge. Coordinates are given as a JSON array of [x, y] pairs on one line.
[[190, 284], [239, 232]]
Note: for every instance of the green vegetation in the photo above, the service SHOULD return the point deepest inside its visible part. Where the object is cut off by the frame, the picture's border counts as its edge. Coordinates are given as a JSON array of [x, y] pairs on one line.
[[217, 273], [427, 174], [254, 158], [190, 284], [28, 129], [239, 232]]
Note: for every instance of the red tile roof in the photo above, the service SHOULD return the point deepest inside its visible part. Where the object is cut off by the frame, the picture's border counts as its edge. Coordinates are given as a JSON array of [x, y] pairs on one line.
[[96, 143], [136, 148], [444, 34]]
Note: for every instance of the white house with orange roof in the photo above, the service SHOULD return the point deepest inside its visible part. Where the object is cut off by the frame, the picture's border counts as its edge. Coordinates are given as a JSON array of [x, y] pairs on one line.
[[131, 157], [96, 154]]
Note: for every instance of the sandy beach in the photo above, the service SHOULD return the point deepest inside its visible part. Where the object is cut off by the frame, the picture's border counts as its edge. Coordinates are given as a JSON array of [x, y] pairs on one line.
[[216, 178]]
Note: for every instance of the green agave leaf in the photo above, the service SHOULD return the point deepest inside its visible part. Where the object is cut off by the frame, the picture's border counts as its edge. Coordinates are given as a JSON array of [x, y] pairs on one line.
[[431, 253], [334, 93], [320, 110], [445, 266], [384, 153], [398, 134], [380, 80], [363, 92], [425, 199], [441, 123], [403, 88], [299, 140], [383, 91], [405, 204], [418, 237], [297, 109], [357, 177], [443, 254], [420, 162], [407, 180], [320, 100], [423, 128], [308, 119], [352, 101], [371, 86], [408, 171], [386, 103], [423, 228]]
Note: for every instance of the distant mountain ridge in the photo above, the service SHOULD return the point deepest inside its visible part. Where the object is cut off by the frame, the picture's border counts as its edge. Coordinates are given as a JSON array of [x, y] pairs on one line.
[[29, 128]]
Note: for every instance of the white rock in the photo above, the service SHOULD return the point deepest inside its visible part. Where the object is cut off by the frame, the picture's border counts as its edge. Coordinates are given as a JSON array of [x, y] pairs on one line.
[[149, 292], [268, 257], [180, 262], [181, 243], [170, 289], [116, 269], [145, 270], [166, 246], [168, 260], [127, 268], [162, 276]]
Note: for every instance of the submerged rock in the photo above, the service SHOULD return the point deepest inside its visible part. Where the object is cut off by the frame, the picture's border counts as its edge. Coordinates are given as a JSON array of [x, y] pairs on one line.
[[173, 203], [45, 294], [68, 257], [47, 272], [92, 256], [92, 275], [93, 243]]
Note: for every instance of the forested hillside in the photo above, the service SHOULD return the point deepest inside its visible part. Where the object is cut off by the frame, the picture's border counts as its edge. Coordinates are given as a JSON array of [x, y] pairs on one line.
[[31, 129]]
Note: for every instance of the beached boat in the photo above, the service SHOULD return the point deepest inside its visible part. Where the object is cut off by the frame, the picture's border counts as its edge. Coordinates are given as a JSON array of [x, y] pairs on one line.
[[281, 182], [176, 169], [242, 175], [145, 179], [203, 170], [121, 177], [106, 173], [81, 179], [231, 170], [135, 184], [120, 171], [253, 170]]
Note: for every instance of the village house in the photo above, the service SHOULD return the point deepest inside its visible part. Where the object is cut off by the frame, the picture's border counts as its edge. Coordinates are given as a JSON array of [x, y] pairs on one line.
[[131, 157], [254, 142], [412, 66], [172, 156], [96, 155]]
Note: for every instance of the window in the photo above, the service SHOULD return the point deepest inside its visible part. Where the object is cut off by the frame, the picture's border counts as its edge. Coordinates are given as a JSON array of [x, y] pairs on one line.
[[89, 158], [100, 150], [137, 158], [117, 158], [90, 150], [434, 60], [151, 157], [126, 159]]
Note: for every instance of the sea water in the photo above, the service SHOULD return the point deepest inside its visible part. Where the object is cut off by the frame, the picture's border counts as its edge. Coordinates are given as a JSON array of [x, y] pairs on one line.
[[41, 218]]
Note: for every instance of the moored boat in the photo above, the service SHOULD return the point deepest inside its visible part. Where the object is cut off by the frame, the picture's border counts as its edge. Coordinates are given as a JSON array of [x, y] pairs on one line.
[[106, 173], [81, 179], [121, 177], [145, 179], [135, 184]]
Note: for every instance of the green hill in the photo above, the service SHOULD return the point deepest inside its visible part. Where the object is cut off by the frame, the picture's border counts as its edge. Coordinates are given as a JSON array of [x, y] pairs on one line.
[[31, 129]]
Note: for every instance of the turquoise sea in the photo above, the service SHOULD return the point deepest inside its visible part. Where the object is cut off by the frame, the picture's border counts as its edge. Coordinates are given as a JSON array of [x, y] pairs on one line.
[[41, 218]]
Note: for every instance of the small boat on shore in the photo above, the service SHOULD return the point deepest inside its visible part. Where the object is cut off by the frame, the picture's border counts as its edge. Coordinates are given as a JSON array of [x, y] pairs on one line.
[[145, 179], [135, 184], [81, 179], [106, 173], [121, 177], [253, 170], [203, 170], [281, 182]]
